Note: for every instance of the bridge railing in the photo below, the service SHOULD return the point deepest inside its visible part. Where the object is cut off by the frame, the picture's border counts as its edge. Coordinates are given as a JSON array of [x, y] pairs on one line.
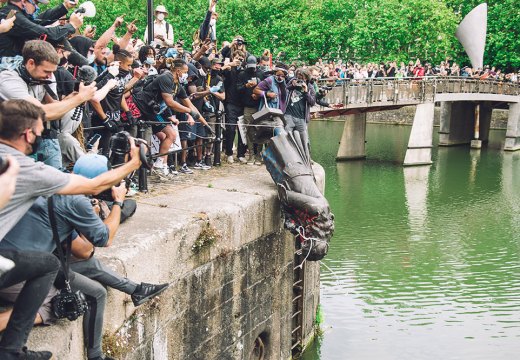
[[387, 91]]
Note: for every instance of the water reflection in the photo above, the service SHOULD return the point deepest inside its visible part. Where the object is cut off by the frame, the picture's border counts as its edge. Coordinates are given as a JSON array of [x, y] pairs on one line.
[[425, 261]]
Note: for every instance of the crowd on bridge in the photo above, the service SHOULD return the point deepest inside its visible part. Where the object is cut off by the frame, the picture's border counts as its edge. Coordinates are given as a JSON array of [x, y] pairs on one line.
[[339, 69]]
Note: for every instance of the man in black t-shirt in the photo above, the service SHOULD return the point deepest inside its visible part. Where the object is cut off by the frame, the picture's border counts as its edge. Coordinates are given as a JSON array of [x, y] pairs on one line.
[[247, 81], [107, 112], [154, 100], [300, 100]]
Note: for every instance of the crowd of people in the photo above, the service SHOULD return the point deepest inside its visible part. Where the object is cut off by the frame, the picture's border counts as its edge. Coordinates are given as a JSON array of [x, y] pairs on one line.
[[66, 93], [414, 69]]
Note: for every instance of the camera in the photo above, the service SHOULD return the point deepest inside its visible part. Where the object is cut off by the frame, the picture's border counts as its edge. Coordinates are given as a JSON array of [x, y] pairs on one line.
[[156, 108], [119, 149], [85, 74], [69, 305], [3, 165]]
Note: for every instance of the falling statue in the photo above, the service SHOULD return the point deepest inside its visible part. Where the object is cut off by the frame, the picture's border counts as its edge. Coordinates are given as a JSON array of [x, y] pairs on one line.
[[306, 211]]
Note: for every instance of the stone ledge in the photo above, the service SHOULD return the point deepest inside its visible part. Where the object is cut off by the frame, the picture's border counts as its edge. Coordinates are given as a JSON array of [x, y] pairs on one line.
[[155, 245]]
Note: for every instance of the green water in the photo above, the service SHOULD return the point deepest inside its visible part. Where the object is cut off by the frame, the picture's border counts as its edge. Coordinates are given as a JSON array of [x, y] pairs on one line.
[[425, 261]]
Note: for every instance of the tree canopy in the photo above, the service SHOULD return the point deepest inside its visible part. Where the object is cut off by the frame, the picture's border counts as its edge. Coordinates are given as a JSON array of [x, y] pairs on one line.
[[366, 30]]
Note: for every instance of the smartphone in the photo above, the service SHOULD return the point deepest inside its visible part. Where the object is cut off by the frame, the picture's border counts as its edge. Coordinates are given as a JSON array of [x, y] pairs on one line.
[[11, 14]]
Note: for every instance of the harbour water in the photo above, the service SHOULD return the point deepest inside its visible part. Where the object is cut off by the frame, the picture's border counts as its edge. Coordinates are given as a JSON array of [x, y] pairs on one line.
[[425, 261]]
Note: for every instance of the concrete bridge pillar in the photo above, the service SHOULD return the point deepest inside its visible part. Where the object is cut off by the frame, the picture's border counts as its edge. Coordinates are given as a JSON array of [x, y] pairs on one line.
[[457, 123], [421, 137], [512, 142], [352, 144]]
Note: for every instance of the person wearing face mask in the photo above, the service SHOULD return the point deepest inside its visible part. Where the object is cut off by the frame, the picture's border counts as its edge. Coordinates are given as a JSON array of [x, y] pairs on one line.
[[107, 112], [161, 95], [247, 81], [301, 98], [208, 29], [163, 31], [28, 27], [20, 133], [234, 107], [274, 88], [32, 81]]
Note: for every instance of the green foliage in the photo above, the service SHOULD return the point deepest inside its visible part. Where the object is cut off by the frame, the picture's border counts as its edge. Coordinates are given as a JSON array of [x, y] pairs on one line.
[[367, 30]]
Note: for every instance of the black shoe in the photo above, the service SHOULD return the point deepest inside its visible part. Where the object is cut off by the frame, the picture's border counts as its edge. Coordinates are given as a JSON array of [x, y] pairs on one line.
[[207, 160], [34, 355], [145, 292]]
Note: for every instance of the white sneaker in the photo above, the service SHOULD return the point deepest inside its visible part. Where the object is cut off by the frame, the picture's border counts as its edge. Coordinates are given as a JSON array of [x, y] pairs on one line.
[[230, 159], [242, 160], [162, 172], [185, 169], [5, 265], [201, 166]]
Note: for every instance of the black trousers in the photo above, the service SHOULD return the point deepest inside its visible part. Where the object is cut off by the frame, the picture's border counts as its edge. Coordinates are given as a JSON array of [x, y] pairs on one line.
[[38, 270], [232, 114]]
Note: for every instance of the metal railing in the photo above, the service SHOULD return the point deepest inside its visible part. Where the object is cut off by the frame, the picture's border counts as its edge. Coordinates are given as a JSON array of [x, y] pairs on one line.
[[388, 91]]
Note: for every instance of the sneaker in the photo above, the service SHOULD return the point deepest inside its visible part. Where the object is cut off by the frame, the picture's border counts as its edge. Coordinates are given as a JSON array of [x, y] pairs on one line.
[[258, 160], [5, 265], [162, 172], [145, 292], [201, 166], [250, 160], [172, 170], [26, 354], [242, 160], [230, 159], [185, 169], [132, 189], [207, 160]]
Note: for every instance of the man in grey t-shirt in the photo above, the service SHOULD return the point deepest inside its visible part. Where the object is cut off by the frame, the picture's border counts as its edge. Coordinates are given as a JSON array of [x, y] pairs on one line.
[[21, 125]]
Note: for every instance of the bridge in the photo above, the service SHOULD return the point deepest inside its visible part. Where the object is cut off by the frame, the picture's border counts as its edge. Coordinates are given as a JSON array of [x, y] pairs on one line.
[[466, 108]]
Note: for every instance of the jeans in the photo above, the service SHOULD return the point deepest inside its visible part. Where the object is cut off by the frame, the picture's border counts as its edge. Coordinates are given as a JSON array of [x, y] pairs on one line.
[[38, 270], [50, 153], [96, 296], [232, 114], [96, 270], [294, 123]]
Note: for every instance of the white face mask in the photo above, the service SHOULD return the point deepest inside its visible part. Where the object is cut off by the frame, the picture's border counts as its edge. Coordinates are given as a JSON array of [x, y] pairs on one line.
[[183, 79], [202, 72], [150, 60], [91, 58], [160, 16], [213, 22]]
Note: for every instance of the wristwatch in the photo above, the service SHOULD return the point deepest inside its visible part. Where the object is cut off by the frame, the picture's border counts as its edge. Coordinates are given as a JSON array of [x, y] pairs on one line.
[[120, 203]]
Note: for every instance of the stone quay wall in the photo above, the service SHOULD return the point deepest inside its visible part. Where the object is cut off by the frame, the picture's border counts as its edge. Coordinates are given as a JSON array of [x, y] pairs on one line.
[[225, 299]]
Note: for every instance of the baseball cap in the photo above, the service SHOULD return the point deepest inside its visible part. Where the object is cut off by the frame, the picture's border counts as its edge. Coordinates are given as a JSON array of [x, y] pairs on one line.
[[251, 62], [91, 165]]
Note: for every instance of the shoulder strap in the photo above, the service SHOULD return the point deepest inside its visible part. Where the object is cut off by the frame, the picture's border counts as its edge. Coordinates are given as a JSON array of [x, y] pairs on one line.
[[167, 29], [64, 258]]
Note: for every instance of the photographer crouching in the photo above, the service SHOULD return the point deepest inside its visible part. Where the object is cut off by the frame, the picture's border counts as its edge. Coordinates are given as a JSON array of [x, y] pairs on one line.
[[300, 100], [55, 220]]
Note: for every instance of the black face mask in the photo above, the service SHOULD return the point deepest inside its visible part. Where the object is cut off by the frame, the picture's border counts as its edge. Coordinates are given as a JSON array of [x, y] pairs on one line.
[[36, 145], [123, 73]]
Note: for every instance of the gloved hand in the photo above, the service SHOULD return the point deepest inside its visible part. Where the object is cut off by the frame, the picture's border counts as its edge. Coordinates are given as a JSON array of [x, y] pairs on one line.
[[130, 118], [111, 125]]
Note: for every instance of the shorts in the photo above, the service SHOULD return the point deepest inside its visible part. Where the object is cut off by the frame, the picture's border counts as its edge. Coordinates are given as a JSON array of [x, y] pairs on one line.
[[159, 127], [201, 129], [186, 132]]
